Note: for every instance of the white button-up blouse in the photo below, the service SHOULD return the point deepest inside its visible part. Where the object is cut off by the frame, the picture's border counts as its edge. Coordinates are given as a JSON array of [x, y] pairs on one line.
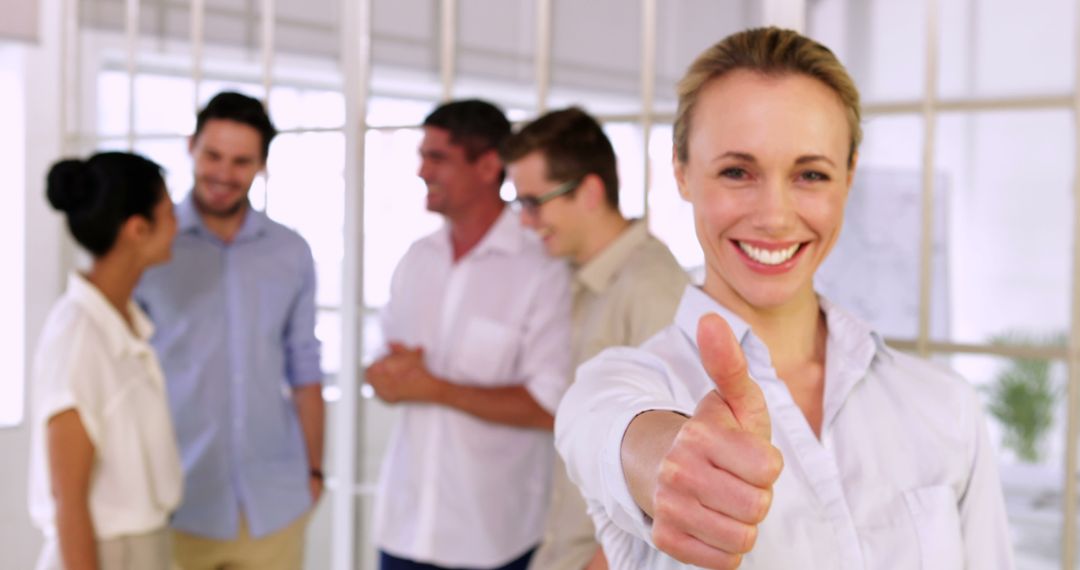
[[903, 476], [89, 360]]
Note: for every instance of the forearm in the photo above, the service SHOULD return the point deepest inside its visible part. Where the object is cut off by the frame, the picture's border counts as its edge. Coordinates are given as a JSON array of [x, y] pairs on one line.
[[645, 443], [509, 405], [311, 410], [75, 529], [71, 459]]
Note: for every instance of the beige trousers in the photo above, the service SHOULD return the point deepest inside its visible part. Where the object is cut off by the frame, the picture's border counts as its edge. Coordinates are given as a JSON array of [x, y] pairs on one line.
[[150, 551], [569, 542], [282, 550]]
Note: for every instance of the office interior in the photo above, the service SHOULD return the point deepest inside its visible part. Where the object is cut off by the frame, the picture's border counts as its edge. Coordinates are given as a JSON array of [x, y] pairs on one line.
[[960, 242]]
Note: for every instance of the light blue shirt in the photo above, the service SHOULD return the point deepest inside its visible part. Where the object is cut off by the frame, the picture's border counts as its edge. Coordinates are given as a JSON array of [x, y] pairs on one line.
[[235, 334], [903, 475]]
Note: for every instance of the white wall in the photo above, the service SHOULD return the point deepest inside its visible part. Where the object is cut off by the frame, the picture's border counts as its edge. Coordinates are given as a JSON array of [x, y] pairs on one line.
[[19, 541]]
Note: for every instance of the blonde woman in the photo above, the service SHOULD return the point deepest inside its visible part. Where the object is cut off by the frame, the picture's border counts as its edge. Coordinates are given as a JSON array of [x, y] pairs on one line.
[[768, 428], [105, 473]]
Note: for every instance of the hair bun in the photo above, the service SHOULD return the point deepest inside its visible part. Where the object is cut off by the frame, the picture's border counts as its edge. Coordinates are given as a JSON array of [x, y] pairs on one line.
[[70, 185]]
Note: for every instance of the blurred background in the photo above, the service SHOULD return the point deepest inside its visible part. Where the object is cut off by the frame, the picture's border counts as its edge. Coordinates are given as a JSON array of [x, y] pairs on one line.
[[960, 242]]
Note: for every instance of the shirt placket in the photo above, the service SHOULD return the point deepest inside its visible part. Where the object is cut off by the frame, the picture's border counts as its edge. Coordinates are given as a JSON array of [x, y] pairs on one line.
[[819, 469], [235, 330], [453, 296]]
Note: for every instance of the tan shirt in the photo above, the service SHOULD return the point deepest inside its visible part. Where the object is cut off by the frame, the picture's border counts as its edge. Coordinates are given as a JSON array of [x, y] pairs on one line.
[[623, 296]]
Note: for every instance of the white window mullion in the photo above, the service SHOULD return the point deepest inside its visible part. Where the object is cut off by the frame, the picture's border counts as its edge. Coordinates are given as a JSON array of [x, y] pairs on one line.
[[648, 91], [448, 46], [198, 38], [543, 55], [929, 113], [267, 49], [1072, 430], [132, 39], [346, 433]]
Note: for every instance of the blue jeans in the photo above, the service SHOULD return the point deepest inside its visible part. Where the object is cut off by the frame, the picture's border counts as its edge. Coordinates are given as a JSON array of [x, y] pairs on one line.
[[388, 562]]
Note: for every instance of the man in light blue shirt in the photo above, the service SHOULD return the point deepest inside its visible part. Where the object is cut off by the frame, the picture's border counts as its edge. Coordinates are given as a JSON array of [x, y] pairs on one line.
[[235, 317]]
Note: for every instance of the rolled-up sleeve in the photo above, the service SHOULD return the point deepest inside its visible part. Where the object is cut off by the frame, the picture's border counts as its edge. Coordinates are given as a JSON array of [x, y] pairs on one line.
[[609, 392], [545, 357], [71, 375], [302, 348]]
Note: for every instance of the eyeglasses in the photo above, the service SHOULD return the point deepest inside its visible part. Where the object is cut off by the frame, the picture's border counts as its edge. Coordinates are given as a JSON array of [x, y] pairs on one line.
[[531, 204]]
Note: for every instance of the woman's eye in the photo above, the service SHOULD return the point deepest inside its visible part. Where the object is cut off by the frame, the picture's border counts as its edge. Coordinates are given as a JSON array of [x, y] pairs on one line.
[[814, 176], [734, 173]]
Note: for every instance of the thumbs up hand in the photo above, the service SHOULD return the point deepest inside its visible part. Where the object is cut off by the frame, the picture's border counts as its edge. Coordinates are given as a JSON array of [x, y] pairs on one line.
[[714, 485]]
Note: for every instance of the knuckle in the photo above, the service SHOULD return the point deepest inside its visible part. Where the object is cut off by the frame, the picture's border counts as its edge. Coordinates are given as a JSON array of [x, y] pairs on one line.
[[762, 501], [664, 538], [692, 434], [776, 463], [754, 505], [664, 506], [705, 403], [771, 464], [664, 473], [672, 474], [746, 539]]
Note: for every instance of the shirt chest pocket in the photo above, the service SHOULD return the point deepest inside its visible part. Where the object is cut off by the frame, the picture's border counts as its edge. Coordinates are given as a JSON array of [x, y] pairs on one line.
[[935, 513], [485, 352]]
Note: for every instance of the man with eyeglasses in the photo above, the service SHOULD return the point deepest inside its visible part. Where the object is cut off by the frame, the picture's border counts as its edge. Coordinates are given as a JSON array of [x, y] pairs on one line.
[[477, 359], [626, 284]]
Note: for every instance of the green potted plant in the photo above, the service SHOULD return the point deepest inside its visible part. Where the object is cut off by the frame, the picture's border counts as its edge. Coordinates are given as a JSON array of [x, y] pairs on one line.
[[1023, 397]]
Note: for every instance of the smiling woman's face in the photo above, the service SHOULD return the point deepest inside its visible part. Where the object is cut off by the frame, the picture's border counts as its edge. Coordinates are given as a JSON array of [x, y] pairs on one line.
[[767, 172]]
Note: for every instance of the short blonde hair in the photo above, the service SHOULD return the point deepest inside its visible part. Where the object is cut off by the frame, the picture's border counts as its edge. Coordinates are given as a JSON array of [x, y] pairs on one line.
[[769, 51]]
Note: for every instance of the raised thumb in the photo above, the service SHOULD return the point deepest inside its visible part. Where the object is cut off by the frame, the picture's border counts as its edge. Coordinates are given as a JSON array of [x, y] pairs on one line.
[[725, 364]]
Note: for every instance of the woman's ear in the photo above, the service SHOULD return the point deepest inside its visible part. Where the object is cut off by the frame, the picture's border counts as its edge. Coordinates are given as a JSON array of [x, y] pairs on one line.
[[135, 229], [851, 168], [680, 175]]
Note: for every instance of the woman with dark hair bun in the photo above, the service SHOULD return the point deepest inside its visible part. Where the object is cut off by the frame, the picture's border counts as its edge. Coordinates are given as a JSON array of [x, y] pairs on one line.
[[105, 472]]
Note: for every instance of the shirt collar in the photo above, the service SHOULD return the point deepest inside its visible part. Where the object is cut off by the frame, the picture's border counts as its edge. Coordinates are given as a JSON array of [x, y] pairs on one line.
[[504, 236], [597, 274], [120, 338], [850, 350], [852, 337], [696, 303], [187, 217], [188, 220]]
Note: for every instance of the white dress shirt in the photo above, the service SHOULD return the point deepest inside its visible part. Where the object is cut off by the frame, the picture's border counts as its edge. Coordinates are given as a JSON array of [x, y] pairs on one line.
[[89, 360], [902, 477], [456, 490]]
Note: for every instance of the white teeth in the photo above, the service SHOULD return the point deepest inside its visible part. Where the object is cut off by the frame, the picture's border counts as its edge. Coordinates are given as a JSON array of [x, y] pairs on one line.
[[767, 256]]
